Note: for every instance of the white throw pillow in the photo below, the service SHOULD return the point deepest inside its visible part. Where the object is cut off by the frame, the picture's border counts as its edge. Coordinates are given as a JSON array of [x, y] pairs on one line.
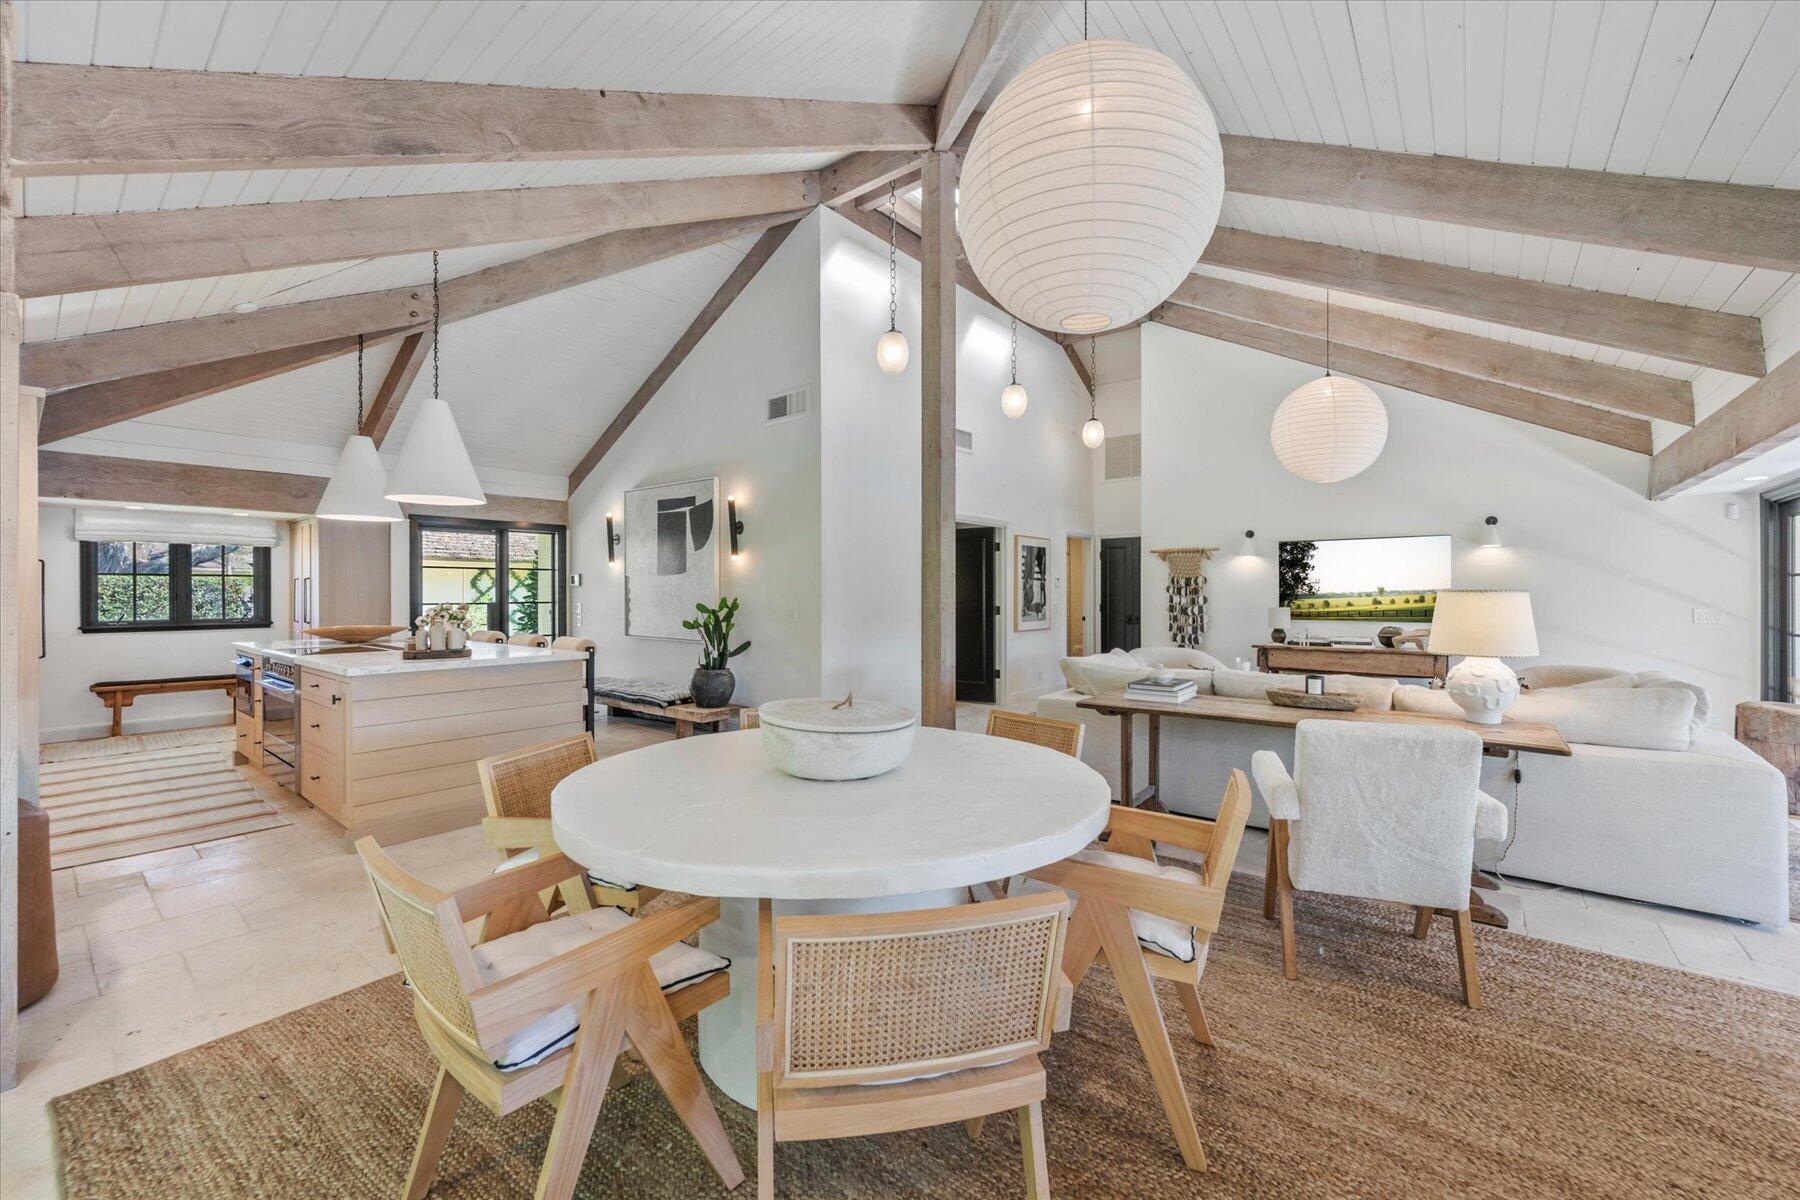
[[1655, 718], [1659, 679], [1164, 935], [1247, 685], [516, 952], [1073, 669], [1175, 656]]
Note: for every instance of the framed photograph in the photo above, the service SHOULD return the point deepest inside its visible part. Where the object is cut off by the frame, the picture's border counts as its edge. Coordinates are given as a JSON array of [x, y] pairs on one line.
[[673, 533], [1031, 599]]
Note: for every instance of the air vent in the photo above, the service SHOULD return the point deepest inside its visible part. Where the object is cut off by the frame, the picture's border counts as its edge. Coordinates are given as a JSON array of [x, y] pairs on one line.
[[1124, 456], [788, 404], [965, 441]]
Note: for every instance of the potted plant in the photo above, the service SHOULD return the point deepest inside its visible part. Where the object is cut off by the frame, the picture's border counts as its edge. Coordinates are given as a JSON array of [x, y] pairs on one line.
[[713, 681]]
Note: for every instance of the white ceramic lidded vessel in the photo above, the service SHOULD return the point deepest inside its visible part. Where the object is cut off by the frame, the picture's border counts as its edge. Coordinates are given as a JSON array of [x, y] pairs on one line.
[[833, 740]]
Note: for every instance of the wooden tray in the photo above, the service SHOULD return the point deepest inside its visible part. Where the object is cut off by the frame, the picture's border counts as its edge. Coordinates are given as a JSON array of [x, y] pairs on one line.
[[463, 653], [1288, 698], [352, 633]]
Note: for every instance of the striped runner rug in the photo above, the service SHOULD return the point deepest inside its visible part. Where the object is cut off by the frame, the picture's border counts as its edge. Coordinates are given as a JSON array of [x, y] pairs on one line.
[[116, 797]]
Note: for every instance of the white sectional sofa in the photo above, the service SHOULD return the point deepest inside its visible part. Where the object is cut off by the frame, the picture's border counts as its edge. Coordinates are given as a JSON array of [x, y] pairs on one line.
[[1654, 804]]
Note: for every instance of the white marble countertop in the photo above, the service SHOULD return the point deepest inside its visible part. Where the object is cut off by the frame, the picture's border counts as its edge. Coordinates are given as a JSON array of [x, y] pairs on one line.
[[710, 816], [387, 660]]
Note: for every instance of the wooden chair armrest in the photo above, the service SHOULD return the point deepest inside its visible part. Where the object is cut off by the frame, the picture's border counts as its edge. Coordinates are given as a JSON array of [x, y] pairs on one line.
[[503, 1008], [518, 833], [1189, 903], [1065, 1003], [765, 987], [480, 899], [1192, 833]]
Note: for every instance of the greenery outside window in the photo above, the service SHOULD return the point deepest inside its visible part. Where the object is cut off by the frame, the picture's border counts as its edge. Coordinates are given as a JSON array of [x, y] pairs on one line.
[[509, 573], [172, 585]]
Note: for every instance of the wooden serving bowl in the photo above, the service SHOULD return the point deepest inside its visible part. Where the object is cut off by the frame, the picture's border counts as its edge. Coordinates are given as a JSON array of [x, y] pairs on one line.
[[353, 634]]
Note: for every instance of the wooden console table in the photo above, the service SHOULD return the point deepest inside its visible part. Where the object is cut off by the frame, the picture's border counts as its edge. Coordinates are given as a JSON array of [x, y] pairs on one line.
[[1509, 736], [1378, 661]]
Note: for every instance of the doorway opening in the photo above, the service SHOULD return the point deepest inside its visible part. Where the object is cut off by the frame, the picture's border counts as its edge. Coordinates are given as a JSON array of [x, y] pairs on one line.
[[1120, 596], [1076, 606], [977, 613]]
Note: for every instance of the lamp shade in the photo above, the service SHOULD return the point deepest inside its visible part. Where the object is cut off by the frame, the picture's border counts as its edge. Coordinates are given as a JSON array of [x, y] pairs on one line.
[[1329, 430], [358, 486], [1484, 624], [1093, 433], [1013, 400], [892, 353], [1091, 187], [434, 466], [1279, 617]]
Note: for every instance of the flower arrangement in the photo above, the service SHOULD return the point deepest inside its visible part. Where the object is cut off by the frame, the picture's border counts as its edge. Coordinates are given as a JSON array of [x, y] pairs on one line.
[[449, 614]]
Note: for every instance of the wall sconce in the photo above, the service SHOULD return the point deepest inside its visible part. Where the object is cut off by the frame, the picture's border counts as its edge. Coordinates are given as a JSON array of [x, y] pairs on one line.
[[731, 521], [612, 539], [1248, 547], [1490, 533]]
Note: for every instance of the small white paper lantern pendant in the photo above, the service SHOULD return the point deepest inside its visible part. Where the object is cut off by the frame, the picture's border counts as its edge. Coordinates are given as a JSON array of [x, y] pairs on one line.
[[891, 351], [1091, 187], [1331, 429], [1012, 397]]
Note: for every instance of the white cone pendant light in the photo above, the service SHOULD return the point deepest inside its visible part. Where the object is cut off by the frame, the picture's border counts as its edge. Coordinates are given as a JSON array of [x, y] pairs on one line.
[[1330, 429], [357, 487], [434, 466], [1012, 397], [891, 351], [1091, 186]]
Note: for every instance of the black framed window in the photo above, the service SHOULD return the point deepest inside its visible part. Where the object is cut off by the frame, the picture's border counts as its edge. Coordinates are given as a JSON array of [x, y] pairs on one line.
[[1781, 594], [129, 586], [510, 573]]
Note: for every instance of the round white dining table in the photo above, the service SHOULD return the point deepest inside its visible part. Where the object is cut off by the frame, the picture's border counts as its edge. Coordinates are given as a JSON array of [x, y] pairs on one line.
[[709, 816]]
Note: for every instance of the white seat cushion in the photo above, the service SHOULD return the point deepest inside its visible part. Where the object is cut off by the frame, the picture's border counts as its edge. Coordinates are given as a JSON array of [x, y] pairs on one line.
[[527, 857], [504, 957], [1163, 935]]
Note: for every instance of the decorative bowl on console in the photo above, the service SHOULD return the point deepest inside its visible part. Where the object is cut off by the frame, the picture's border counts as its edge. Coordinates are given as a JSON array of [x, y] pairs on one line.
[[836, 739]]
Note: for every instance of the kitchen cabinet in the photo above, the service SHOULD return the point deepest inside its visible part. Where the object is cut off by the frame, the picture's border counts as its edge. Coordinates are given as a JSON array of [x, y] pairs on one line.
[[340, 573]]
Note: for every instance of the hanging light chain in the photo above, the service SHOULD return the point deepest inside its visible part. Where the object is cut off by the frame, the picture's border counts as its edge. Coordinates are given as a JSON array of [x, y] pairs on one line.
[[359, 382], [1015, 349], [1084, 32], [1093, 372], [1328, 333], [434, 324], [893, 266]]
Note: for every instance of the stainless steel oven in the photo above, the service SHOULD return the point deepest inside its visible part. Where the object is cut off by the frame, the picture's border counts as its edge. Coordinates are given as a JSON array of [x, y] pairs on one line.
[[281, 722], [244, 695]]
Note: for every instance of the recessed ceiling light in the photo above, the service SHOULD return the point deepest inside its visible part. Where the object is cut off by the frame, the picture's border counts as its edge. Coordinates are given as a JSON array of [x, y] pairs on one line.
[[246, 306], [1755, 478]]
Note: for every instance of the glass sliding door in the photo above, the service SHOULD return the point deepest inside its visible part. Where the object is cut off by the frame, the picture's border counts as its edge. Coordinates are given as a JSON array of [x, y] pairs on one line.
[[510, 575], [1781, 604]]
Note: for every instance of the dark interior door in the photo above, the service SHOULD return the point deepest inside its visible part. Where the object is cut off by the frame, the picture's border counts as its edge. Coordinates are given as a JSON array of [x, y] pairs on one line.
[[1120, 599], [975, 609]]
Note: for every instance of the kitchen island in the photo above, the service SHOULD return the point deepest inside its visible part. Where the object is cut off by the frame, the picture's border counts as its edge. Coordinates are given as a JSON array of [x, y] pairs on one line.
[[387, 746]]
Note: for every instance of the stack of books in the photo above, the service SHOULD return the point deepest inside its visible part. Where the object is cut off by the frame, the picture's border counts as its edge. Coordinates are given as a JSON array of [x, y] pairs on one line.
[[1176, 691]]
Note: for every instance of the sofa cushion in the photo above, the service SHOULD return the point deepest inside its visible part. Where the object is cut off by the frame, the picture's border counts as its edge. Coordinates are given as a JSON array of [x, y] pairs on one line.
[[1175, 656], [1555, 675], [1630, 718], [1659, 679], [1072, 667], [504, 957], [1247, 685]]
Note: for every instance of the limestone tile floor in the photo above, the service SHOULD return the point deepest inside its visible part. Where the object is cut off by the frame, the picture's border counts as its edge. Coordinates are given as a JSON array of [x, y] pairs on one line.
[[173, 949]]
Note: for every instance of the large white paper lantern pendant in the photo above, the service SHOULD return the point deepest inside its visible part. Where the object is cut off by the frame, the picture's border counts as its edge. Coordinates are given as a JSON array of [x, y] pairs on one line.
[[1091, 187], [1329, 430]]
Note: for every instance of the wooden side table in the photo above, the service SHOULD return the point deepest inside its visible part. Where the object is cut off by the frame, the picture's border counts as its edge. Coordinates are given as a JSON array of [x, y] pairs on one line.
[[1773, 731], [688, 717]]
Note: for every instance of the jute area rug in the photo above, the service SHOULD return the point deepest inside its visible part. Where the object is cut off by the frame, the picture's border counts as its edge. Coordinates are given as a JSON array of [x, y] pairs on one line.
[[1585, 1075]]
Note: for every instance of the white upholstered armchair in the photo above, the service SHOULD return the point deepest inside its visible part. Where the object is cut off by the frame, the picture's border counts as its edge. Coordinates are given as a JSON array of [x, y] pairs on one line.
[[1381, 811]]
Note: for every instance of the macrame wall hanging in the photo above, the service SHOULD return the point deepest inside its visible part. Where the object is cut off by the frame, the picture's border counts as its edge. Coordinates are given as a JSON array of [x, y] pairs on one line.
[[1187, 593]]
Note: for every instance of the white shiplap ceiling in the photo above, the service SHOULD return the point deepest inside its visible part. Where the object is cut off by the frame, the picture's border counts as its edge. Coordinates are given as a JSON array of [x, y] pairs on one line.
[[1682, 88]]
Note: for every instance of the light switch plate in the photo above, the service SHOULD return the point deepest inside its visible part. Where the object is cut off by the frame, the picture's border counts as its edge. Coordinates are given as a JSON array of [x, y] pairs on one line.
[[1709, 616]]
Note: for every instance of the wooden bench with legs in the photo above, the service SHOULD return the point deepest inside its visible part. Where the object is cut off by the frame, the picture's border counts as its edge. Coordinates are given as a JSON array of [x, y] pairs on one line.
[[1141, 914], [117, 694]]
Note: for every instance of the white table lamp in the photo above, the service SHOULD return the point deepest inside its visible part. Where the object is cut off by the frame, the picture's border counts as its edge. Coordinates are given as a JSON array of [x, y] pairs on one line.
[[1485, 627]]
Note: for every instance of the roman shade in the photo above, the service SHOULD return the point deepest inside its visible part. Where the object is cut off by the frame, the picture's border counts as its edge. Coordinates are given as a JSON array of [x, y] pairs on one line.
[[187, 528]]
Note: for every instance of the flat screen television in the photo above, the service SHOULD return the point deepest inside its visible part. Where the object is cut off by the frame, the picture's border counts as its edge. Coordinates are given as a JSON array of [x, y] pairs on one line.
[[1391, 580]]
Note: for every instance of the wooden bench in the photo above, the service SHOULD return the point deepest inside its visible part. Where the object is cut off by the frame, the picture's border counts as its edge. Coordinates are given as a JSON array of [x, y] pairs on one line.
[[117, 694]]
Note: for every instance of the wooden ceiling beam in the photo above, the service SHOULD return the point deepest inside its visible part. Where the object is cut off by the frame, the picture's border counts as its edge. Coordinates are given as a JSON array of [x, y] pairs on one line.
[[1686, 218], [998, 25], [1634, 392], [734, 284], [1534, 408], [97, 357], [379, 416], [58, 255], [863, 174], [1764, 415], [81, 120], [84, 409], [1724, 341]]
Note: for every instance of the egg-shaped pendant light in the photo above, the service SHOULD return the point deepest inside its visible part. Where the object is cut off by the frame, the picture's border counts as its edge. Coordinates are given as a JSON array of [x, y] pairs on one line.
[[891, 351], [1012, 397], [1091, 187], [1093, 433], [1330, 429], [357, 491], [434, 466]]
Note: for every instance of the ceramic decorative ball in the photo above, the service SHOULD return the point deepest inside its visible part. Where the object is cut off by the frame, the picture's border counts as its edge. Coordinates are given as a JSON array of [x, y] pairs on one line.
[[1484, 688]]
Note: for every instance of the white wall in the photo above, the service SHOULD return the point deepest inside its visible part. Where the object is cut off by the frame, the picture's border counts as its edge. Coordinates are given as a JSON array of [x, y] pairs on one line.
[[1118, 502], [75, 660], [1031, 475], [1615, 578], [708, 419]]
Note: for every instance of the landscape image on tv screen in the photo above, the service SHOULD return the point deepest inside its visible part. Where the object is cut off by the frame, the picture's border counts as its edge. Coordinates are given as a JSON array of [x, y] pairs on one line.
[[1390, 579]]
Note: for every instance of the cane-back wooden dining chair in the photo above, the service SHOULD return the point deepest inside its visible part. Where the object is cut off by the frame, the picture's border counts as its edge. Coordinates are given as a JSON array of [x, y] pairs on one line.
[[487, 635], [1042, 731], [750, 718], [541, 1008], [946, 1009], [1153, 919], [529, 639], [517, 787]]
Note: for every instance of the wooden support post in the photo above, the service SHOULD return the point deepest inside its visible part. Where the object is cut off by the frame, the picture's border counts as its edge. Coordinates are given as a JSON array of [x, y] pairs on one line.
[[18, 546], [937, 459]]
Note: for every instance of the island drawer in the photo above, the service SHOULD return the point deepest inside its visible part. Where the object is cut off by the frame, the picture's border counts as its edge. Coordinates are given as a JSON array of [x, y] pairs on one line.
[[326, 689], [322, 726], [322, 782]]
